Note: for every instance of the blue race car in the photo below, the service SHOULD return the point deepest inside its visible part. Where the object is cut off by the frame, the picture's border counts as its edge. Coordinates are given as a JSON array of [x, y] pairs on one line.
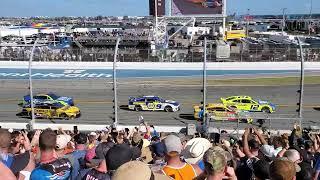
[[50, 97]]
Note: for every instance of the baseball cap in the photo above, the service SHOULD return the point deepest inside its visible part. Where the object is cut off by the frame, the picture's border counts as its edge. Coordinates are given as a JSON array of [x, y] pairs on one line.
[[215, 161], [172, 143], [268, 151], [195, 149], [93, 134], [62, 141], [118, 155], [226, 154], [137, 170]]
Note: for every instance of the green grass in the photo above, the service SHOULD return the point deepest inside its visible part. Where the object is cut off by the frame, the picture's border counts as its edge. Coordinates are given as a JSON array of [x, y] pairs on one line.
[[274, 81]]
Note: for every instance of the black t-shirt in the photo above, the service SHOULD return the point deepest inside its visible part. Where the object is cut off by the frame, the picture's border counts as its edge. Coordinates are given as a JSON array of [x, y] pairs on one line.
[[244, 170], [94, 174]]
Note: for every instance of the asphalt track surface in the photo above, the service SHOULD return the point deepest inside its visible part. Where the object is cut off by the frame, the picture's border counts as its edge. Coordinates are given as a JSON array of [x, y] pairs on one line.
[[94, 98]]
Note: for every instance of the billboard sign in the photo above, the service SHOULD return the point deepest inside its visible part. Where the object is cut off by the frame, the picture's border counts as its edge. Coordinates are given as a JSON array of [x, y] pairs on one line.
[[196, 7]]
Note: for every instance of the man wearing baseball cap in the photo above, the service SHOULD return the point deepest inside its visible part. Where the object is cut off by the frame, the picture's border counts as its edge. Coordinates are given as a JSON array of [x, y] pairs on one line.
[[176, 168], [216, 166]]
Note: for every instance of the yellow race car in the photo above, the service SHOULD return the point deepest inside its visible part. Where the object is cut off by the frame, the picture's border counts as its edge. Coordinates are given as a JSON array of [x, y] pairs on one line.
[[54, 110], [218, 111]]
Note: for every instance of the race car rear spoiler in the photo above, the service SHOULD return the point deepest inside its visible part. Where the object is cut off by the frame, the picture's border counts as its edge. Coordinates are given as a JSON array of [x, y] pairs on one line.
[[223, 100], [132, 98]]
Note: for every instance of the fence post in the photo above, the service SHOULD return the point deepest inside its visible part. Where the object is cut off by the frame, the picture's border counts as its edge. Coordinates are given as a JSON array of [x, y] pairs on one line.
[[115, 98], [32, 121]]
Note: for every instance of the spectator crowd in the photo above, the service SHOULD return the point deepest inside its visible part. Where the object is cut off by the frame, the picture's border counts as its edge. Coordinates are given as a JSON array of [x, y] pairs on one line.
[[142, 153]]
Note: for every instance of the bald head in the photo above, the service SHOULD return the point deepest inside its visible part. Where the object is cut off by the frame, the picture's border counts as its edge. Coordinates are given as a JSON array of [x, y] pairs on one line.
[[292, 155]]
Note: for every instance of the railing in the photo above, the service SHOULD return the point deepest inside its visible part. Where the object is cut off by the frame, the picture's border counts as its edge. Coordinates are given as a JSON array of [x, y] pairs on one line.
[[147, 55]]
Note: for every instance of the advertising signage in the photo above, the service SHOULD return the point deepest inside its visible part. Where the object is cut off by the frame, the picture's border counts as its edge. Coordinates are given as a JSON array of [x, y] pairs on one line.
[[196, 7]]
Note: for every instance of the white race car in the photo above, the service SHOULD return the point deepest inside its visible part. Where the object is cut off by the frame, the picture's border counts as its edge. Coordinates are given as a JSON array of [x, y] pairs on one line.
[[152, 103]]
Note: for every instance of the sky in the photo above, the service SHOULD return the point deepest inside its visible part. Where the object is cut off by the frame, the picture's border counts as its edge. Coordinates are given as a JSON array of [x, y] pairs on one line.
[[26, 8]]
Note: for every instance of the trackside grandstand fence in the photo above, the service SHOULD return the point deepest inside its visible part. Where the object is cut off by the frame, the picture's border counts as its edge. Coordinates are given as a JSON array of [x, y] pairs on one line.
[[267, 121], [238, 54]]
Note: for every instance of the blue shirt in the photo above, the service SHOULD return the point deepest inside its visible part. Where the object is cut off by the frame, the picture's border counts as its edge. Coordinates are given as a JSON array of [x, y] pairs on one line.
[[6, 159], [77, 160], [59, 169], [201, 165]]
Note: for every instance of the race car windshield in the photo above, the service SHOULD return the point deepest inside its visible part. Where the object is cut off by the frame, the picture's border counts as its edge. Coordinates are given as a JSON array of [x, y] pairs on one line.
[[230, 98], [53, 96], [58, 105]]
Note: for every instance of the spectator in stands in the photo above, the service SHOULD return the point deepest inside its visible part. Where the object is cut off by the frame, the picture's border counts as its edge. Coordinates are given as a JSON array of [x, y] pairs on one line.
[[98, 163], [216, 167], [282, 170], [5, 144], [62, 143], [176, 168], [6, 173], [136, 170], [194, 150], [92, 140], [51, 166], [261, 170], [77, 157], [118, 155]]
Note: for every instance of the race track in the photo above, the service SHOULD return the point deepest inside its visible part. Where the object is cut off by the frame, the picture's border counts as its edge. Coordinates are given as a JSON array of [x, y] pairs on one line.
[[94, 98]]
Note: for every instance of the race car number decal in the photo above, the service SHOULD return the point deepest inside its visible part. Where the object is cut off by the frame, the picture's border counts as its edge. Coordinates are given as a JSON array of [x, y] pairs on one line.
[[254, 107], [150, 105]]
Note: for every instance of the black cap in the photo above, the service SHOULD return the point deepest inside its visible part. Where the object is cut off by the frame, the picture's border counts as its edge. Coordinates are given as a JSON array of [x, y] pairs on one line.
[[118, 155]]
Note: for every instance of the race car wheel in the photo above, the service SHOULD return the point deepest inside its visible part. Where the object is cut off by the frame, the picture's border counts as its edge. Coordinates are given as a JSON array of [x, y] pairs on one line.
[[233, 107], [266, 110], [249, 121], [64, 116], [137, 108], [168, 109]]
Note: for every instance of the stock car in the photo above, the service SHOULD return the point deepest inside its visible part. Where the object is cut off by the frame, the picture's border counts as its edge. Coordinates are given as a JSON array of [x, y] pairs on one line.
[[152, 103], [248, 104], [50, 98], [53, 110], [219, 111], [207, 3]]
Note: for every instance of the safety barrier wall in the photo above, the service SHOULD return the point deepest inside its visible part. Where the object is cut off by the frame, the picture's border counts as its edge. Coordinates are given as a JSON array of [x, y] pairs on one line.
[[163, 66]]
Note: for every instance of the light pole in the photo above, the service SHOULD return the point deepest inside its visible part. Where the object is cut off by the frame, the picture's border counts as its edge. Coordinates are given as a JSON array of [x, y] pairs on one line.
[[283, 20], [32, 121], [247, 24], [310, 16]]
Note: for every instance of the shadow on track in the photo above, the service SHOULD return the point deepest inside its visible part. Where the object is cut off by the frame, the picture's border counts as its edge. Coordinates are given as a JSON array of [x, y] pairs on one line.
[[124, 107], [187, 116], [317, 108]]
